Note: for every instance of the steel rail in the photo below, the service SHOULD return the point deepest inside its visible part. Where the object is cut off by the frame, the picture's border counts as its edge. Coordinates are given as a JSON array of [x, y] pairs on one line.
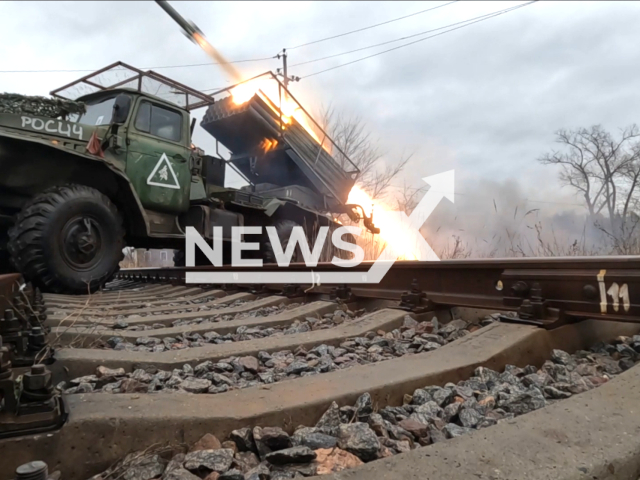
[[543, 291]]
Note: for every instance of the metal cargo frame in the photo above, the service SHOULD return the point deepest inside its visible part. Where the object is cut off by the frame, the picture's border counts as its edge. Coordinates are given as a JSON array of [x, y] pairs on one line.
[[136, 79], [326, 166]]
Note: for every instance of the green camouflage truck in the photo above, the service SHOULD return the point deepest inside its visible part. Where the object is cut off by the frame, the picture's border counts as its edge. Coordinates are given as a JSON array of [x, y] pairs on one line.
[[105, 164]]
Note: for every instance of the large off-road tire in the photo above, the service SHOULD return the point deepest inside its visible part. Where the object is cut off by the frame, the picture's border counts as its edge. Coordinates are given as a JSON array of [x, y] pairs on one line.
[[68, 239]]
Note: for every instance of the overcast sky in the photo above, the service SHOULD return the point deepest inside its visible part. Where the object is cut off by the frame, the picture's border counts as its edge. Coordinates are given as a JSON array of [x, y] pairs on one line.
[[484, 99]]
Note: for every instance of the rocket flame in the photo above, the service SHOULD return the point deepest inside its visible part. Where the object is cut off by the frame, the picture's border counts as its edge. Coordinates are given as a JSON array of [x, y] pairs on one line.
[[267, 145], [393, 231], [278, 101], [268, 91], [217, 56]]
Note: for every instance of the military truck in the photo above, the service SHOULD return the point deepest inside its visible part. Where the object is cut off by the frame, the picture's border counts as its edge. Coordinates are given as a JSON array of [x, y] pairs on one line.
[[109, 162]]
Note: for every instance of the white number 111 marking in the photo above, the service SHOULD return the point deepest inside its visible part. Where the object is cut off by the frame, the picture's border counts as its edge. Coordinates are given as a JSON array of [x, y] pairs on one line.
[[616, 292]]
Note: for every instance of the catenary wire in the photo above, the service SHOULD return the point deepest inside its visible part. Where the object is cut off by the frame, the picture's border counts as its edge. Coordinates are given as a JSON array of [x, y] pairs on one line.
[[144, 68], [406, 37], [236, 61], [242, 61], [370, 26], [466, 23], [419, 40]]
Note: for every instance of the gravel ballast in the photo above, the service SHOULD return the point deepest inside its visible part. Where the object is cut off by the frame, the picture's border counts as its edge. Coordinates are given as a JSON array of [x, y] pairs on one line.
[[348, 436], [267, 368]]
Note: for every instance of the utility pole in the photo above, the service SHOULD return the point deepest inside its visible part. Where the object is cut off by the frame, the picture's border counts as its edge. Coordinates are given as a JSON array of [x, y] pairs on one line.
[[284, 67], [283, 72]]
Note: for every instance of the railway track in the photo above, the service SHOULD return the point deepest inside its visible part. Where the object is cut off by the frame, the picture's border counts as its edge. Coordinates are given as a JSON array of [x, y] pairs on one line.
[[285, 381]]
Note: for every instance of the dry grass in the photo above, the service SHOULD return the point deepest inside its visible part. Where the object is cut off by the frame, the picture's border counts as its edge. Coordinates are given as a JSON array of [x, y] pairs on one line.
[[514, 244]]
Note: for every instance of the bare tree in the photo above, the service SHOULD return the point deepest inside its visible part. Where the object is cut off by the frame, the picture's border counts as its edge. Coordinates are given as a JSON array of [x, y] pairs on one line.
[[351, 135], [407, 197], [458, 250], [606, 172]]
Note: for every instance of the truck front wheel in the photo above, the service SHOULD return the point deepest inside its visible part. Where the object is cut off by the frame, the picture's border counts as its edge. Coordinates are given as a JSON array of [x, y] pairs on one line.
[[68, 239]]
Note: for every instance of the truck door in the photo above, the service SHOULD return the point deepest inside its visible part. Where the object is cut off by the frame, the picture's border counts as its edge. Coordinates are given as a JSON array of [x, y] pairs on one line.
[[158, 156]]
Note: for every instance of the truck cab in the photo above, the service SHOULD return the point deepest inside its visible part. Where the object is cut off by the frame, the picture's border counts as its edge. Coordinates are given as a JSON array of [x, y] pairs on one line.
[[151, 143]]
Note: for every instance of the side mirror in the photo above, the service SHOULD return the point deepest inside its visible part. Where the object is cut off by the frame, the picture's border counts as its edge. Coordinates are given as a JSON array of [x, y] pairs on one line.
[[121, 108]]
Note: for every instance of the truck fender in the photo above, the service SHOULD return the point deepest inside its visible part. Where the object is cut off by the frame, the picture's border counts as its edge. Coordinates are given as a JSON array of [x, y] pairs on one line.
[[37, 166]]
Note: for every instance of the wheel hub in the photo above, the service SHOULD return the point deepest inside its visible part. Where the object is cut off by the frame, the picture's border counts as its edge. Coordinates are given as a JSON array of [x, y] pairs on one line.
[[82, 242]]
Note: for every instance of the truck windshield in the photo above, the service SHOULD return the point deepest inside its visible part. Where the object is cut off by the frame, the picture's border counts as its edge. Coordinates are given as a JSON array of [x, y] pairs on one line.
[[98, 112]]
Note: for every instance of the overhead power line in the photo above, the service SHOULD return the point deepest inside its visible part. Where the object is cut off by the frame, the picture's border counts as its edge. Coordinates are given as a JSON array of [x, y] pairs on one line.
[[143, 68], [469, 20], [495, 14], [241, 61], [371, 26]]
